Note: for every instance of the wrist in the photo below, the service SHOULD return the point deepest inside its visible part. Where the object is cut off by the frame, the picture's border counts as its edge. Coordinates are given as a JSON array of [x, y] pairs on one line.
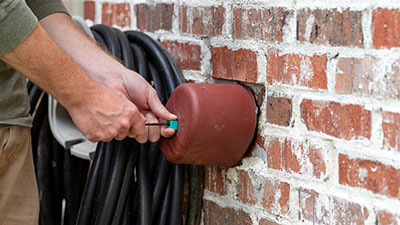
[[112, 77], [78, 94]]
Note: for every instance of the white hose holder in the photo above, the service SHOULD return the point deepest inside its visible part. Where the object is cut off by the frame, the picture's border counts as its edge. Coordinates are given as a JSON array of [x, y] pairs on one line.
[[61, 124], [64, 130]]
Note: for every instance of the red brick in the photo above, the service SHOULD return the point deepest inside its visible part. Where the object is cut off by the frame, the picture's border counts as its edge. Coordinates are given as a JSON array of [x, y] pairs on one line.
[[274, 148], [386, 28], [238, 65], [330, 27], [246, 192], [89, 10], [215, 180], [387, 218], [216, 215], [116, 14], [154, 17], [276, 197], [258, 144], [279, 110], [295, 157], [266, 222], [322, 209], [346, 121], [391, 130], [188, 56], [374, 176], [204, 21], [259, 24], [295, 69], [354, 75], [348, 212], [260, 97], [364, 77]]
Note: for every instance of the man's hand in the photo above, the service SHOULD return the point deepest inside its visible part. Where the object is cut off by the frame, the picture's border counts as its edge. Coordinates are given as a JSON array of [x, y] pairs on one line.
[[137, 90], [105, 70], [100, 112], [104, 114]]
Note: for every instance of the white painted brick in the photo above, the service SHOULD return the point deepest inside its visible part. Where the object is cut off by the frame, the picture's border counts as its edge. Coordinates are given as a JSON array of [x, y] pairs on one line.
[[364, 149]]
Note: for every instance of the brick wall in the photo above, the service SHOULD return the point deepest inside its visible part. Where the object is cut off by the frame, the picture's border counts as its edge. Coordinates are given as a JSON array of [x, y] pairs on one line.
[[326, 75]]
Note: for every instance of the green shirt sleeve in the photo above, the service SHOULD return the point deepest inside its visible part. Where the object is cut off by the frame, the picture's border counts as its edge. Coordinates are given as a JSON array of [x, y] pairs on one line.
[[16, 23], [18, 19], [43, 8]]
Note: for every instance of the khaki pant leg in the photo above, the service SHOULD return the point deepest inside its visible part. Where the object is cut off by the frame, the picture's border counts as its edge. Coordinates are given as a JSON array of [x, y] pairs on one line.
[[19, 200]]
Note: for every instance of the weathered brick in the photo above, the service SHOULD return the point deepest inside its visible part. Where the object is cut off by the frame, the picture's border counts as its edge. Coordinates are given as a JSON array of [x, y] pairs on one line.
[[187, 55], [391, 130], [238, 65], [266, 222], [89, 10], [215, 180], [154, 17], [296, 69], [296, 157], [259, 24], [246, 191], [279, 110], [216, 215], [274, 148], [260, 97], [258, 148], [374, 176], [116, 14], [323, 209], [330, 27], [387, 218], [353, 75], [368, 77], [348, 212], [276, 197], [346, 121], [386, 28], [204, 21]]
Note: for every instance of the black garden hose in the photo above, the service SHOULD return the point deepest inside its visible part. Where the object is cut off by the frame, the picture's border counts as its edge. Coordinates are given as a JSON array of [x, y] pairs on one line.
[[128, 182]]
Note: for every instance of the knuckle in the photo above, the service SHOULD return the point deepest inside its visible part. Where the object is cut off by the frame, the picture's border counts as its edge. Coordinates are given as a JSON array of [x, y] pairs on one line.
[[97, 137], [153, 93], [119, 138], [91, 138], [112, 133], [141, 140], [132, 110], [154, 139], [140, 132], [124, 124]]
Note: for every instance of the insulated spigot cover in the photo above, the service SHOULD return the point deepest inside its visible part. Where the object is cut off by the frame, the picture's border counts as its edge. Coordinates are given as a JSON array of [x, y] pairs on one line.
[[216, 124]]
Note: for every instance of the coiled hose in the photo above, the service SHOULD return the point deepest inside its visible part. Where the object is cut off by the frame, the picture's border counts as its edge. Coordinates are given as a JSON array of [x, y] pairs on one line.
[[128, 182]]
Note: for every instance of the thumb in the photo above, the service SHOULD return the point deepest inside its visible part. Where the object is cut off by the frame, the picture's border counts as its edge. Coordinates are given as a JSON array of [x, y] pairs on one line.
[[159, 109]]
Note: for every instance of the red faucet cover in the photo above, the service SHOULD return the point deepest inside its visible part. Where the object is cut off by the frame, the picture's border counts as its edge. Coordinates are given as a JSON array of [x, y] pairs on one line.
[[216, 123]]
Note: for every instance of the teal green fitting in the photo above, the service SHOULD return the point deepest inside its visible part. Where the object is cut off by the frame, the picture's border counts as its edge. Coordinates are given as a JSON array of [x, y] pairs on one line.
[[173, 124]]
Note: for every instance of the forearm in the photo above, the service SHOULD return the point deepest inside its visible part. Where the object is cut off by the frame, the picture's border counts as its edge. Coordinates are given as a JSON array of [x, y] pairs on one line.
[[99, 112], [99, 65], [44, 63], [102, 67]]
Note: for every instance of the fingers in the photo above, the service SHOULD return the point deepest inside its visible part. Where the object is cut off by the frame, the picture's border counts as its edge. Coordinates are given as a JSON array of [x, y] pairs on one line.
[[123, 130], [153, 131], [167, 132], [114, 116], [138, 129], [158, 108]]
